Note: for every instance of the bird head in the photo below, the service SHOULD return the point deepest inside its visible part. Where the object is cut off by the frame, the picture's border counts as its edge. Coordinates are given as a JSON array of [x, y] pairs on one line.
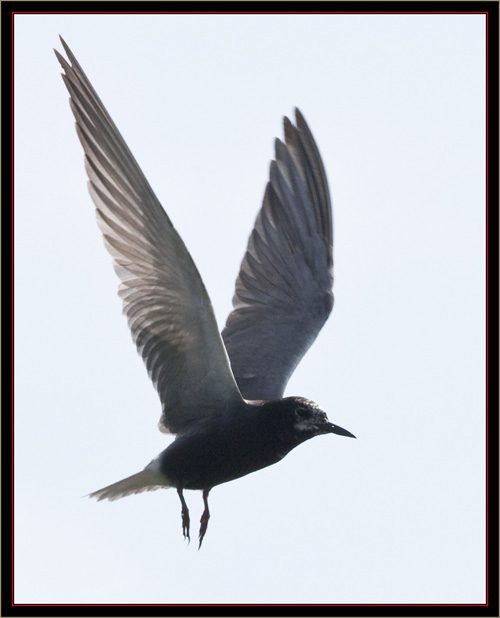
[[310, 420]]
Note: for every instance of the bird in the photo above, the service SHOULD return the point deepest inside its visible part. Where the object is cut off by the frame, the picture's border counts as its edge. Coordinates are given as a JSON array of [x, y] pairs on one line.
[[221, 393]]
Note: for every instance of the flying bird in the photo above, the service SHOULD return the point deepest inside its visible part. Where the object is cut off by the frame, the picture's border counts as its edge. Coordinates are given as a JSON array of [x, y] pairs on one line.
[[221, 394]]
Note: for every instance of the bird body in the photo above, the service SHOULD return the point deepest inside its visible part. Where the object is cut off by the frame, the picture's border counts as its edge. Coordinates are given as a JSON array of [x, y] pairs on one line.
[[237, 444], [226, 447], [221, 393]]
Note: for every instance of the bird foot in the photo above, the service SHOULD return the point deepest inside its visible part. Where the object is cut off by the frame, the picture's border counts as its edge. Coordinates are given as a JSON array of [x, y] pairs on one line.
[[205, 517], [204, 525], [185, 515], [185, 524]]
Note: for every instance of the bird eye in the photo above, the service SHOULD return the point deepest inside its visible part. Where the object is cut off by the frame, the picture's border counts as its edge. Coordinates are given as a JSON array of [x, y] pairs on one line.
[[303, 413]]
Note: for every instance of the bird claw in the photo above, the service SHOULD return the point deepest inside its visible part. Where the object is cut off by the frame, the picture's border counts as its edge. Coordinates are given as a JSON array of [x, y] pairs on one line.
[[185, 515], [204, 524], [203, 529], [185, 524]]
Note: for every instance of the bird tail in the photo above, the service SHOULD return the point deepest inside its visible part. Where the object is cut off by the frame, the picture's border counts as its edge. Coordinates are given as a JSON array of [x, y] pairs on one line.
[[146, 480]]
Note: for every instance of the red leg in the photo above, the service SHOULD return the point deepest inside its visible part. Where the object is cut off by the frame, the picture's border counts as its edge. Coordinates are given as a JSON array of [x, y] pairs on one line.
[[185, 514], [205, 517]]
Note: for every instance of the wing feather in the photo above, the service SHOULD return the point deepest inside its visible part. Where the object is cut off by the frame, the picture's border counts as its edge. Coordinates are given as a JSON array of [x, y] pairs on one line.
[[283, 292], [168, 309]]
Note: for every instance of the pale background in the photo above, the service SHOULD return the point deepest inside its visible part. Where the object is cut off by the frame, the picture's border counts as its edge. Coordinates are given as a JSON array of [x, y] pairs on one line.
[[396, 103]]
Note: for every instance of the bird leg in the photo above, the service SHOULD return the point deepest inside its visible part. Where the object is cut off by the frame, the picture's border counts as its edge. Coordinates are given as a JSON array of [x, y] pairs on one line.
[[205, 517], [185, 514]]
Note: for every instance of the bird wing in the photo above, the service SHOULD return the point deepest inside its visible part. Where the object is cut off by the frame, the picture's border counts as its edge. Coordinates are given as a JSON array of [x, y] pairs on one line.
[[166, 304], [284, 289]]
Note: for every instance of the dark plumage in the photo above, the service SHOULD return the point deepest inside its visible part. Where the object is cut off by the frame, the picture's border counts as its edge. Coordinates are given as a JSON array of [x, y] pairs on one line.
[[220, 395]]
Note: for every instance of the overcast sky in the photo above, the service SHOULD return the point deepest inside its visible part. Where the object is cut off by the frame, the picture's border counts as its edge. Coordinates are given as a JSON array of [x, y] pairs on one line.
[[396, 104]]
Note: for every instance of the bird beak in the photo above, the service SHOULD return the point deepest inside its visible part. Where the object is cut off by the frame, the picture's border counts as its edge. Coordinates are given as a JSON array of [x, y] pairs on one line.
[[340, 431]]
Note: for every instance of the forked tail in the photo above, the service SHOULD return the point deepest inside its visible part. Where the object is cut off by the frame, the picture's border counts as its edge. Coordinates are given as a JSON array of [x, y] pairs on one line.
[[146, 480]]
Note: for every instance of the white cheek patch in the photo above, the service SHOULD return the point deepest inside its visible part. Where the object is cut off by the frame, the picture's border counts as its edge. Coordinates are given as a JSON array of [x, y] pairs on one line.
[[303, 426]]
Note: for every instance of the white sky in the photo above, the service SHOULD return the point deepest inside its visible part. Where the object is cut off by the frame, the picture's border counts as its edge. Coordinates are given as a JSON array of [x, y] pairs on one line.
[[396, 103]]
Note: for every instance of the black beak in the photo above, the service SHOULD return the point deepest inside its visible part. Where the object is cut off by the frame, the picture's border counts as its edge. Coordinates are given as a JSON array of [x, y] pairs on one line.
[[331, 428]]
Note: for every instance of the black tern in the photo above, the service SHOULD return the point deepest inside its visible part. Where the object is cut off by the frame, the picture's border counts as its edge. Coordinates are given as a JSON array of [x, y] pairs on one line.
[[220, 394]]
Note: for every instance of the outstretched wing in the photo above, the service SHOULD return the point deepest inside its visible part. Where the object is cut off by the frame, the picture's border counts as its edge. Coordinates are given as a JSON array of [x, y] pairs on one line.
[[164, 299], [284, 289]]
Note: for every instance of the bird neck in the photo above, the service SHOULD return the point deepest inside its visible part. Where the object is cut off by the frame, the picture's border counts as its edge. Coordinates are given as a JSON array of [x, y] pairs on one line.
[[280, 432]]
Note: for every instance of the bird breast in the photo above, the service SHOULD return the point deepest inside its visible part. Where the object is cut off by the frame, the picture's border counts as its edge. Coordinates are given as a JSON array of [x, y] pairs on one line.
[[222, 451]]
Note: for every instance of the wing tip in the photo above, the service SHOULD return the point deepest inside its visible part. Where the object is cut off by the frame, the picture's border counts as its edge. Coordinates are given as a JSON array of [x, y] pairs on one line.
[[299, 116], [66, 46]]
